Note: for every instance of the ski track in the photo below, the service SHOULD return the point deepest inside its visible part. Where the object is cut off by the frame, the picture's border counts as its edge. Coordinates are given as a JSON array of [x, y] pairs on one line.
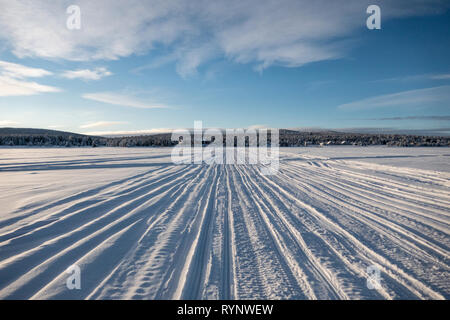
[[140, 227]]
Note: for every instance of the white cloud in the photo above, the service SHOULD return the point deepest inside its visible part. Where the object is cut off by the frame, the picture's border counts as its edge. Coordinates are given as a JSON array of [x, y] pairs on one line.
[[258, 126], [5, 123], [87, 74], [121, 100], [99, 124], [15, 87], [15, 70], [418, 97], [418, 77], [13, 80], [262, 32], [440, 76], [129, 133]]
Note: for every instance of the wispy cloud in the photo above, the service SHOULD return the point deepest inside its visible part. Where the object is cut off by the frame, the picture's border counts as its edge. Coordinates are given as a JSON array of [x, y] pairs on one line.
[[100, 124], [87, 74], [261, 32], [129, 133], [386, 130], [15, 87], [56, 126], [378, 130], [121, 100], [13, 80], [418, 97], [433, 118], [417, 77], [4, 123], [19, 71], [257, 127], [441, 76]]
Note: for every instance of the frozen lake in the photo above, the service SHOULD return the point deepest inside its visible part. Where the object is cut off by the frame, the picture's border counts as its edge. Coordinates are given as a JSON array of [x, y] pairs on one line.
[[140, 227]]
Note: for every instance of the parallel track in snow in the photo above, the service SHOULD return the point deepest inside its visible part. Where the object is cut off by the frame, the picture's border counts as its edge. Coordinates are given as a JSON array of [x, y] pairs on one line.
[[140, 227]]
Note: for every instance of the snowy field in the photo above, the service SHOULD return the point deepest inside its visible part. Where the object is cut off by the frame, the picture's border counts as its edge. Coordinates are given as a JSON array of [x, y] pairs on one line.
[[140, 227]]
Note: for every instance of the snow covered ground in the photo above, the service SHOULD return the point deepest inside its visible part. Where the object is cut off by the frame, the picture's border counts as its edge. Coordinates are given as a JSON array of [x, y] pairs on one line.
[[140, 227]]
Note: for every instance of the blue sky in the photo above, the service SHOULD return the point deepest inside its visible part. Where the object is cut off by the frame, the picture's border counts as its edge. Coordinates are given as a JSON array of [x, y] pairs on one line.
[[149, 66]]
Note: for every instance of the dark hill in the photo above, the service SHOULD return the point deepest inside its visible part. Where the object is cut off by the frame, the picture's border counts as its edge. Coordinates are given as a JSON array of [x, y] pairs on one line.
[[36, 132]]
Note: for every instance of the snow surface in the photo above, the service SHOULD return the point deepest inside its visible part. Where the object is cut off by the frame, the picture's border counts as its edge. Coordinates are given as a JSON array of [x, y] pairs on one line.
[[140, 227]]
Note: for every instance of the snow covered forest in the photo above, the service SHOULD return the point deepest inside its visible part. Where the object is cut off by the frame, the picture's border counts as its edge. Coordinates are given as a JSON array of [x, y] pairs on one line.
[[288, 138]]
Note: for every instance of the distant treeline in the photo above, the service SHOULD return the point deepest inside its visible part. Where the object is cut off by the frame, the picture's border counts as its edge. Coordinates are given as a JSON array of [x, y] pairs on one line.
[[290, 138], [287, 138], [42, 137]]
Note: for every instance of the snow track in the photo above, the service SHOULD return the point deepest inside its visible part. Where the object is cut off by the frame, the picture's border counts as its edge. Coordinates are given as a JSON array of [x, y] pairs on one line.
[[140, 227]]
